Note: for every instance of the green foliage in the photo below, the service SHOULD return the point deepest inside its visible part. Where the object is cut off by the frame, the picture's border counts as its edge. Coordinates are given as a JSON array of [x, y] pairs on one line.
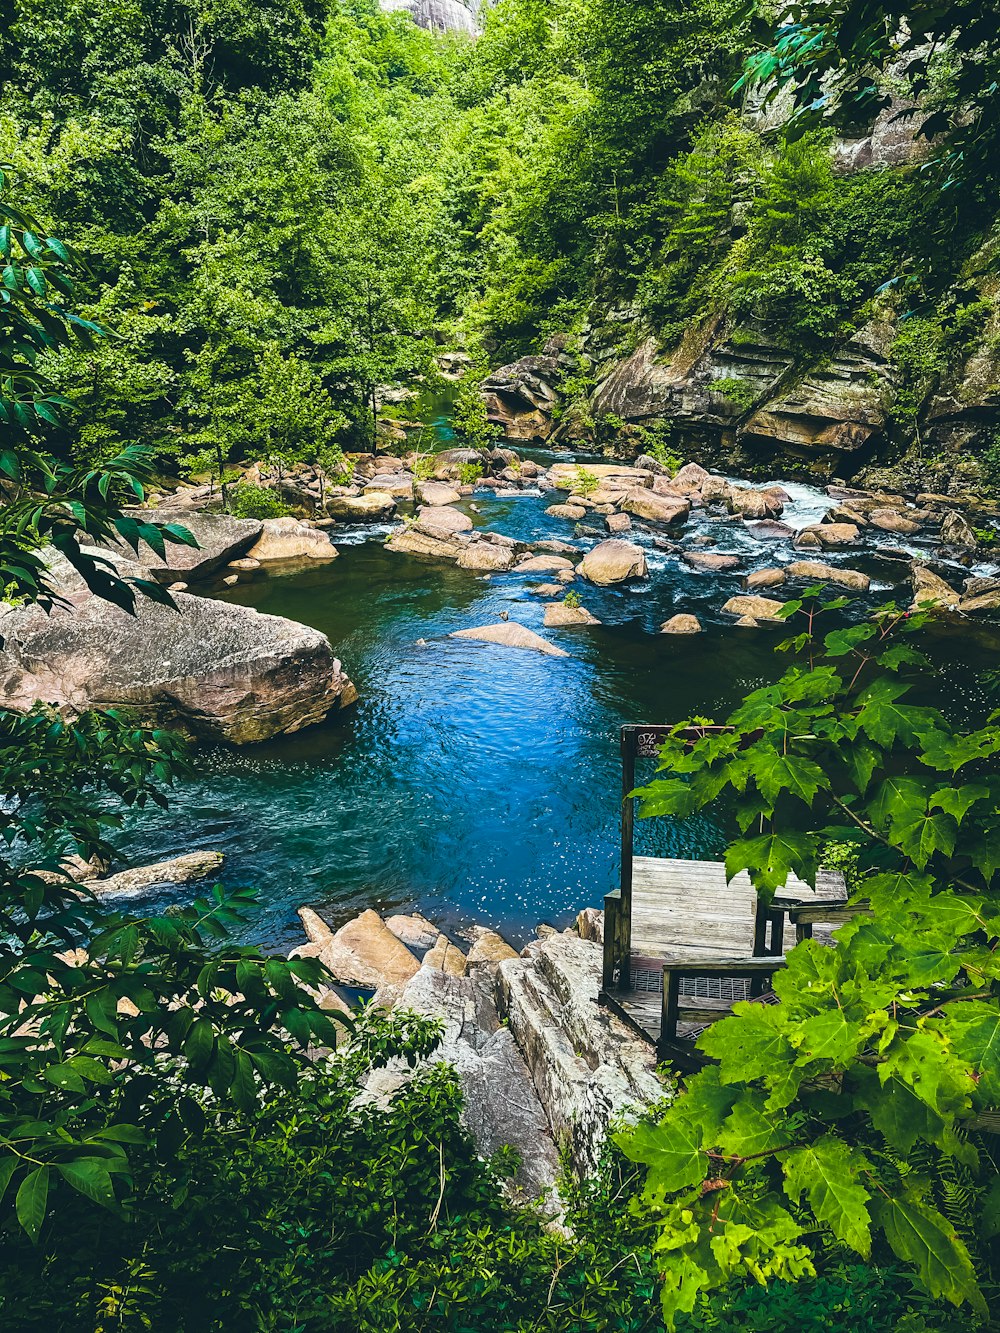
[[573, 600], [832, 1117], [470, 473], [858, 1296], [51, 499], [249, 501], [946, 52], [740, 393], [585, 483], [469, 416]]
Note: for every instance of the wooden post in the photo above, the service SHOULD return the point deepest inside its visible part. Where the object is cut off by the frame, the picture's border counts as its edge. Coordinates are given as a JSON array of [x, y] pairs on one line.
[[628, 836], [671, 1004]]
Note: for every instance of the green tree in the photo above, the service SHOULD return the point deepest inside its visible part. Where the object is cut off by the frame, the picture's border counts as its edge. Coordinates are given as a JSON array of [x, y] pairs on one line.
[[106, 1020], [847, 1113]]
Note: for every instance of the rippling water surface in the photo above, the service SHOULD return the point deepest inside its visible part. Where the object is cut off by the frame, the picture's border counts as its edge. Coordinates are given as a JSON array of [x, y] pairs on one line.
[[472, 781]]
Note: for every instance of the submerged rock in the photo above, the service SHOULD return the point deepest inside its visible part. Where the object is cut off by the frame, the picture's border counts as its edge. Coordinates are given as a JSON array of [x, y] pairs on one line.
[[511, 635], [757, 608], [681, 624], [614, 562], [817, 572], [179, 870]]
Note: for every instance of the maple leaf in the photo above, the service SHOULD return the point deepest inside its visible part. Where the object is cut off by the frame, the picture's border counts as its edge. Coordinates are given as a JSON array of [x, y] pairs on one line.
[[828, 1173]]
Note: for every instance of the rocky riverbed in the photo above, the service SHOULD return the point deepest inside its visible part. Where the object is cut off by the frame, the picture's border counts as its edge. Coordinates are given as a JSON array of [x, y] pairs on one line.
[[475, 779]]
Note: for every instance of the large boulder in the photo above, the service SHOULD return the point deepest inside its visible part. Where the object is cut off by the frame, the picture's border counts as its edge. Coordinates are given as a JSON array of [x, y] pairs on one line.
[[510, 634], [435, 493], [290, 539], [217, 669], [560, 616], [930, 590], [372, 507], [655, 508], [681, 624], [410, 541], [893, 520], [752, 504], [487, 557], [442, 522], [983, 604], [613, 561], [397, 484], [715, 561], [956, 530], [366, 953], [828, 534], [220, 537]]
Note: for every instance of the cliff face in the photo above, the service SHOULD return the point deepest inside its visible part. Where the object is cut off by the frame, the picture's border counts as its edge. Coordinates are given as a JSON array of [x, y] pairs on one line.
[[440, 15], [736, 395]]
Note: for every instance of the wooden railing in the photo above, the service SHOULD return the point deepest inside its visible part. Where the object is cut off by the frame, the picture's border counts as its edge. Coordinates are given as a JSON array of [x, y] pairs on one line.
[[617, 943]]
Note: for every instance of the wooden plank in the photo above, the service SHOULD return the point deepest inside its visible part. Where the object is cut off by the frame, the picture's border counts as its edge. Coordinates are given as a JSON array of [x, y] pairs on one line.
[[686, 907]]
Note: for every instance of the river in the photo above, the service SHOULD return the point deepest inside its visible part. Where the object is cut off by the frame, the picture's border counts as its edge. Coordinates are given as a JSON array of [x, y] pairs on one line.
[[474, 782]]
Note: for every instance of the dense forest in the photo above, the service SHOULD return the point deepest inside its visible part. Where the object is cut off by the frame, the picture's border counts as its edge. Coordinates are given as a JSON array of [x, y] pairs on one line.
[[233, 235], [286, 210]]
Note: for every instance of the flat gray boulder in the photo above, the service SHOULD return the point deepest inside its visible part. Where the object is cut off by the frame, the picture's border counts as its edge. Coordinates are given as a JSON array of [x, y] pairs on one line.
[[214, 668], [511, 635], [220, 537]]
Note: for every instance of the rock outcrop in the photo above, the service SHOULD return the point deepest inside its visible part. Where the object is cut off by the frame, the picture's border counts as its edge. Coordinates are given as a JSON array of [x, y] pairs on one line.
[[587, 1066], [220, 539], [542, 1066], [520, 398], [439, 15], [219, 670]]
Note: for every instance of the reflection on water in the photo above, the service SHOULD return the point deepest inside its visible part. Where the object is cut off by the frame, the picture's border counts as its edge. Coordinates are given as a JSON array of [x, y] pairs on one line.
[[472, 781]]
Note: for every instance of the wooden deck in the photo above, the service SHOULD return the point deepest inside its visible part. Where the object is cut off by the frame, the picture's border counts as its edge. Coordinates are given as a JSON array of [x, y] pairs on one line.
[[686, 909]]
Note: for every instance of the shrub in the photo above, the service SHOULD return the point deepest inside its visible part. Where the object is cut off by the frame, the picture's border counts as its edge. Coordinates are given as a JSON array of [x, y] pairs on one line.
[[470, 473], [249, 501]]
